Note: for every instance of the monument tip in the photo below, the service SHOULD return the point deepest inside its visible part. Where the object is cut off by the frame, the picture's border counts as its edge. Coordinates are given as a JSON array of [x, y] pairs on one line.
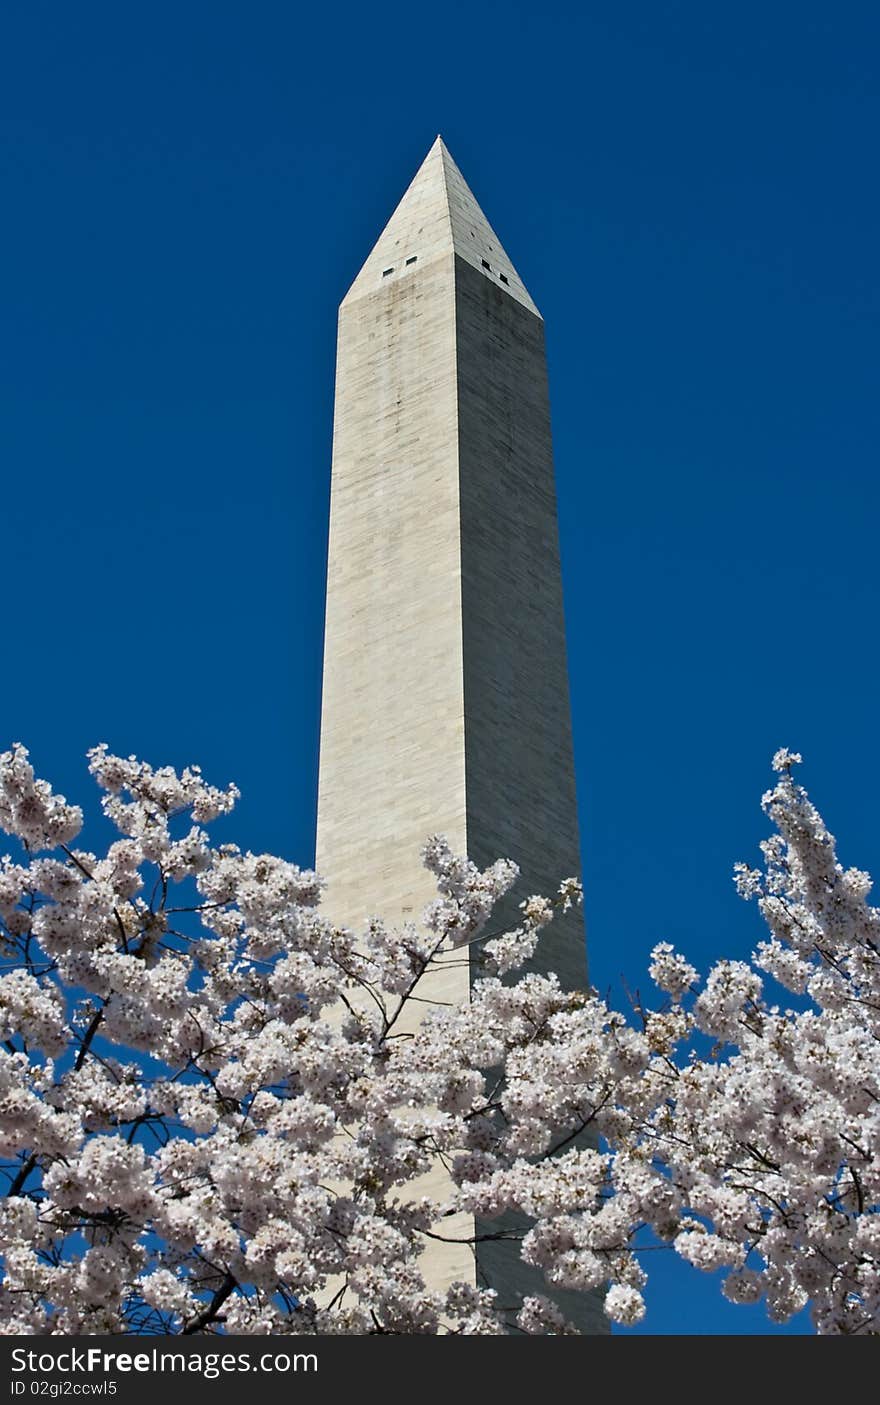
[[438, 215]]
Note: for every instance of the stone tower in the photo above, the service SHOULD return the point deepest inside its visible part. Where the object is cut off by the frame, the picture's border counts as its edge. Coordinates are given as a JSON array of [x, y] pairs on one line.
[[445, 703]]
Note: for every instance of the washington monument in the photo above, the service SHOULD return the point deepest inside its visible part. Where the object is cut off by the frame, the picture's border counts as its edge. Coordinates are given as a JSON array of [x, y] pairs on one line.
[[445, 702]]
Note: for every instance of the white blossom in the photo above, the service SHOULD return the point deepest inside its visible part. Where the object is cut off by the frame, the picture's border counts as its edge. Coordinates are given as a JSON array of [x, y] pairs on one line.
[[624, 1305], [670, 971], [208, 1120]]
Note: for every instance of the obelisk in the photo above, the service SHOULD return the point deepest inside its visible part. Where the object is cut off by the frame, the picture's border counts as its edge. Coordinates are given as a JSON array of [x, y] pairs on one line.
[[445, 699]]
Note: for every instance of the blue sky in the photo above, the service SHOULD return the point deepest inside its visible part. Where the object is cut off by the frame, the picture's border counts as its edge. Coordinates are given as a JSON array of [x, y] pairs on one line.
[[690, 194]]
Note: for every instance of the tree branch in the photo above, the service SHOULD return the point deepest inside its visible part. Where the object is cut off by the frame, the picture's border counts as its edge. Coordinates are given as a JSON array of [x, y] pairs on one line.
[[23, 1173], [209, 1315], [88, 1037]]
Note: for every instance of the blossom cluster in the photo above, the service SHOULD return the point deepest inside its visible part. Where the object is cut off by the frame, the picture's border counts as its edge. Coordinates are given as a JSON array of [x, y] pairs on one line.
[[209, 1120]]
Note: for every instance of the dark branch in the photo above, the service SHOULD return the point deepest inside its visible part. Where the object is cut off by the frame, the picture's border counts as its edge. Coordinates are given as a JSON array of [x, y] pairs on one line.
[[209, 1315], [88, 1037], [23, 1173]]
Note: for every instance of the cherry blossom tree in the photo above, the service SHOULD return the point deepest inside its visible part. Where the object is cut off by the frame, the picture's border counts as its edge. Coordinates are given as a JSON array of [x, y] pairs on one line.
[[209, 1121]]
